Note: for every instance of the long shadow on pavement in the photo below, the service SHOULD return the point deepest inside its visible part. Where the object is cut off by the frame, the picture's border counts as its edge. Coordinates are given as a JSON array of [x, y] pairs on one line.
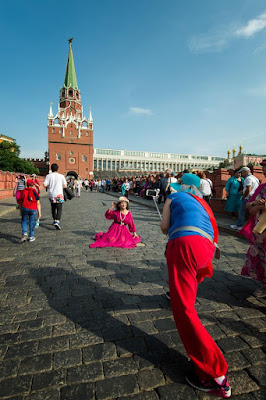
[[90, 307]]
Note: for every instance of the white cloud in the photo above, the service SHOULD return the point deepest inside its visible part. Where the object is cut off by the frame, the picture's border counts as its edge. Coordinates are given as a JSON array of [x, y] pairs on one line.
[[216, 40], [258, 91], [140, 111], [209, 42], [252, 27]]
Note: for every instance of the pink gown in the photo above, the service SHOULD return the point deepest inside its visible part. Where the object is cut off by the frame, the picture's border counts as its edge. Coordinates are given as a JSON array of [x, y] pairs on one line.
[[117, 235]]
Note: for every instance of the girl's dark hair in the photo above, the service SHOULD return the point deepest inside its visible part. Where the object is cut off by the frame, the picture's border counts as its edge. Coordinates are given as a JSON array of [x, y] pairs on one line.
[[118, 206]]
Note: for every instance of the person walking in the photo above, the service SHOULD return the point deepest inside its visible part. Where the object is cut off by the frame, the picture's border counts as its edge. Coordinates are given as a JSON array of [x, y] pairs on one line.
[[29, 204], [255, 263], [234, 190], [55, 183], [193, 234], [86, 184], [205, 186], [162, 186], [249, 186]]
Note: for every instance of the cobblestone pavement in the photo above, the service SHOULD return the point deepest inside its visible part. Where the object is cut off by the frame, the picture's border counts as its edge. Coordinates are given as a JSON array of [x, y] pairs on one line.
[[80, 323]]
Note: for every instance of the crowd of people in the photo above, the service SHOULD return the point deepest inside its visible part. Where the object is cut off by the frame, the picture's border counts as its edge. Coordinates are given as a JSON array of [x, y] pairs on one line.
[[192, 242]]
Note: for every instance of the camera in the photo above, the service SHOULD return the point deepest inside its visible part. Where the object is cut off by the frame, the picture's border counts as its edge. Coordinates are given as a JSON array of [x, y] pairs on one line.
[[153, 192]]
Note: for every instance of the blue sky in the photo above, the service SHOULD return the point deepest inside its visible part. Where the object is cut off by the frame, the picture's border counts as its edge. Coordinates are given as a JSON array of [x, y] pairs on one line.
[[184, 76]]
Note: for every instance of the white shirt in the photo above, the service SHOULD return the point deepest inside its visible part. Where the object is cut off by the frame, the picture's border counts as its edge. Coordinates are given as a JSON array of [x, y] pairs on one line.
[[172, 179], [206, 187], [55, 183], [252, 181]]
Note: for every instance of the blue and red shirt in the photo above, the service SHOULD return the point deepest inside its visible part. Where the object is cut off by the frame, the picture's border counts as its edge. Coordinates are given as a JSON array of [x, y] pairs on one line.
[[187, 211]]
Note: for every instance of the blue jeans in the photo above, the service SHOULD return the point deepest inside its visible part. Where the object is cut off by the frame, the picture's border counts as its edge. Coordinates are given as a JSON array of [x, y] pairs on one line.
[[242, 212], [28, 215]]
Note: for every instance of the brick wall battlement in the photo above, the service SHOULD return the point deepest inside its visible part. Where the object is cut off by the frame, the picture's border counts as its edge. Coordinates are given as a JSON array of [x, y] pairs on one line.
[[7, 183]]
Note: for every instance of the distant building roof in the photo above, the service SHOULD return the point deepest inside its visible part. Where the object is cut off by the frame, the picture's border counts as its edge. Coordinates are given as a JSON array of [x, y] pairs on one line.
[[6, 138]]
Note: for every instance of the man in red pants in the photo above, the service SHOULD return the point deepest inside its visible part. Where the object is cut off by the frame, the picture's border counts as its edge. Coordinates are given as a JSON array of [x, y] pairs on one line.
[[193, 233]]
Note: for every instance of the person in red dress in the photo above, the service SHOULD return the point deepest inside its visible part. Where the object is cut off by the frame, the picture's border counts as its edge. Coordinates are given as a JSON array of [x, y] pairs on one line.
[[118, 234]]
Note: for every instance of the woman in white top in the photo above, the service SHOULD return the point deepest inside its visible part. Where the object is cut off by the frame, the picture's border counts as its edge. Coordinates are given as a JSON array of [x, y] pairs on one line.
[[205, 186]]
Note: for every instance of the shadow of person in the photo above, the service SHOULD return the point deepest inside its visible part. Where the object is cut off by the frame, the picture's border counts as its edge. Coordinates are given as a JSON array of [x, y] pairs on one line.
[[96, 309], [10, 238]]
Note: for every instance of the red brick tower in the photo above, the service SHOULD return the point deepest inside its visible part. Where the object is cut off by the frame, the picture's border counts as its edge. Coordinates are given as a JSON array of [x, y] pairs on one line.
[[70, 134]]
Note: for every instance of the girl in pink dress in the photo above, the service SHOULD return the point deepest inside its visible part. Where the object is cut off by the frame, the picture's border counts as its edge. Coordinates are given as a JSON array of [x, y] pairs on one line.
[[118, 234]]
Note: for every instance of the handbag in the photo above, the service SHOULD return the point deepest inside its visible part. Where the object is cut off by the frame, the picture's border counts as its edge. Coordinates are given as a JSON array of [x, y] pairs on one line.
[[68, 194]]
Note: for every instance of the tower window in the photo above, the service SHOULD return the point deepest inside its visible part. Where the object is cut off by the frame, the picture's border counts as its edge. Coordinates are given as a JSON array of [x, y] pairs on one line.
[[84, 158], [53, 130], [77, 95], [70, 93], [71, 153], [87, 133], [58, 157], [71, 132]]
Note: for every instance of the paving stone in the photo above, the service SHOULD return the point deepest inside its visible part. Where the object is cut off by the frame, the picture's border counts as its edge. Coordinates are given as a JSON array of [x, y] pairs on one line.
[[85, 373], [236, 361], [30, 325], [42, 333], [53, 344], [84, 391], [49, 379], [100, 352], [120, 332], [258, 373], [164, 325], [241, 383], [144, 328], [119, 367], [130, 346], [85, 338], [46, 394], [232, 344], [116, 387], [22, 350], [3, 350], [255, 356], [150, 395], [67, 358], [260, 394], [8, 369], [175, 391], [254, 341], [149, 379], [15, 386], [35, 364]]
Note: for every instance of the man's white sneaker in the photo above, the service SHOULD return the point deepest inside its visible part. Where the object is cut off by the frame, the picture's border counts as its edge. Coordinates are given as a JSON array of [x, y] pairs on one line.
[[236, 227], [24, 238], [31, 239]]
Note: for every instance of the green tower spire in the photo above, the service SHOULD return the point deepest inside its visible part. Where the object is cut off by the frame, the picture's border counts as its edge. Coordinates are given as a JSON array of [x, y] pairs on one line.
[[70, 75]]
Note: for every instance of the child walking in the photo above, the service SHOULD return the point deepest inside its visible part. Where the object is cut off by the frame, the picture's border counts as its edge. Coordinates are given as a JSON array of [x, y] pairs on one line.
[[29, 206]]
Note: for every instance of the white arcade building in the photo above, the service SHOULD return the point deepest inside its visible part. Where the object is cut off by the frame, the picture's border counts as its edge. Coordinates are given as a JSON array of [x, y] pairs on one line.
[[145, 161]]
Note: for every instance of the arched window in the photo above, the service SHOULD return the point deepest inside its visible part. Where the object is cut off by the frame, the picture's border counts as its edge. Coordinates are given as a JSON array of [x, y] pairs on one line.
[[84, 158], [70, 93], [58, 157]]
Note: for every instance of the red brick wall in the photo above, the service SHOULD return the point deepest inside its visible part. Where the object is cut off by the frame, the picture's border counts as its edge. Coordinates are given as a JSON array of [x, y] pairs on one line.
[[219, 178], [7, 183]]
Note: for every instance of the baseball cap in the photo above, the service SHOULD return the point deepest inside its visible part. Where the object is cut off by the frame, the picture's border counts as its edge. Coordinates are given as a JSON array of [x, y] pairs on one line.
[[247, 169]]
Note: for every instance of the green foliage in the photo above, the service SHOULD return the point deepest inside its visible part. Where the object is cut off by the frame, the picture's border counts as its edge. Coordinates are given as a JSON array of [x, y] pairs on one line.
[[224, 164], [10, 160]]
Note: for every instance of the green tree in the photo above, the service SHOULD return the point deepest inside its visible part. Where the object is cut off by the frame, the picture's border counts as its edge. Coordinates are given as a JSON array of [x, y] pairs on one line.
[[224, 164], [10, 160]]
